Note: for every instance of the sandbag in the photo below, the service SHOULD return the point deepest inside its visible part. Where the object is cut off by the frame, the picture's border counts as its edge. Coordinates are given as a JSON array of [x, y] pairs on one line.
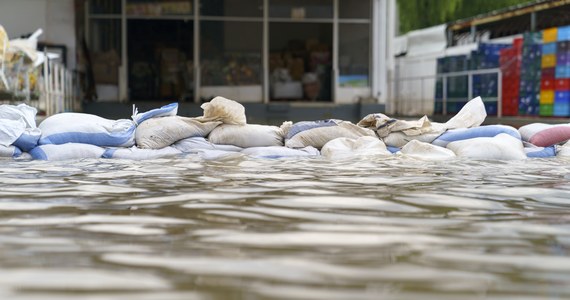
[[293, 129], [14, 120], [500, 147], [318, 137], [399, 139], [544, 135], [223, 110], [164, 111], [475, 132], [393, 149], [200, 143], [563, 151], [10, 151], [279, 152], [421, 150], [347, 147], [68, 151], [246, 136], [471, 114], [28, 139], [135, 153], [213, 154], [540, 152], [157, 133], [87, 129]]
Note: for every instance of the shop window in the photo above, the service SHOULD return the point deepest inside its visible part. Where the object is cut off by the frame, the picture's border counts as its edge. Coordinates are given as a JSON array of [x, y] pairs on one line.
[[105, 50], [354, 9], [232, 8], [231, 53], [354, 55], [301, 9], [300, 61], [159, 8], [105, 7], [161, 59]]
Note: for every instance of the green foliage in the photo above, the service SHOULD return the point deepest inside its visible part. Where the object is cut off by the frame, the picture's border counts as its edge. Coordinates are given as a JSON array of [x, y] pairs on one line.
[[416, 14]]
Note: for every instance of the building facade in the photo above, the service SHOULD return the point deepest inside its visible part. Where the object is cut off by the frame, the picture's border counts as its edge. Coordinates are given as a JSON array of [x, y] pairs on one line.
[[258, 51]]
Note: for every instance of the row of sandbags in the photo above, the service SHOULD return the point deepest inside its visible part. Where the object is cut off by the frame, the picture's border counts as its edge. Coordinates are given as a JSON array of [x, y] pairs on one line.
[[223, 130]]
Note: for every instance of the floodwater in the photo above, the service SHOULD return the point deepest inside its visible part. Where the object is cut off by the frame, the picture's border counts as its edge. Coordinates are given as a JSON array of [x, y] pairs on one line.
[[244, 228]]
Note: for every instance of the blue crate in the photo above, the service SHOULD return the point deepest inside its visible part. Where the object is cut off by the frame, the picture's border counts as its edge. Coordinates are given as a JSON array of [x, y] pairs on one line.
[[563, 33], [561, 110], [562, 72], [562, 97], [549, 48]]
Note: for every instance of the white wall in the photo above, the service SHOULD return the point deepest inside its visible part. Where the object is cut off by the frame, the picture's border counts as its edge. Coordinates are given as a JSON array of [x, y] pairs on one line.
[[56, 17]]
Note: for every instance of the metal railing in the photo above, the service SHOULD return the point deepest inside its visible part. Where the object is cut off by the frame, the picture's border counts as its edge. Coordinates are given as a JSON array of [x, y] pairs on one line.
[[58, 92], [54, 90], [396, 85]]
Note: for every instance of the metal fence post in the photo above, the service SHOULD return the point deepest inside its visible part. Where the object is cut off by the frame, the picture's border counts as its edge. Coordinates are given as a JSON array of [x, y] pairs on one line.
[[499, 94], [444, 100]]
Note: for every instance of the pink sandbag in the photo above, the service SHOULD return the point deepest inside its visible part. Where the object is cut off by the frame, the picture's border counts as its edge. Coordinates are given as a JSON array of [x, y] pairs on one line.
[[544, 135], [551, 136]]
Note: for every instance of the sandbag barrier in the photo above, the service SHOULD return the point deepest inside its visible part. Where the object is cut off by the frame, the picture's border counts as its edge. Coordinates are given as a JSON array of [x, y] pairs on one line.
[[222, 131]]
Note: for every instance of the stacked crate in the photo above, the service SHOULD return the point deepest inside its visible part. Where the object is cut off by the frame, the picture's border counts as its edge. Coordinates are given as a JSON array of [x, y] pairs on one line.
[[510, 64], [456, 86], [530, 74], [562, 74], [487, 56], [548, 64]]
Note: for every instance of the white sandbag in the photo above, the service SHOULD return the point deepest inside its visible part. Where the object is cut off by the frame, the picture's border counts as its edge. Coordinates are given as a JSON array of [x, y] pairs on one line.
[[347, 147], [400, 139], [213, 154], [224, 110], [68, 151], [14, 120], [246, 136], [164, 111], [157, 133], [544, 135], [135, 153], [290, 129], [563, 150], [279, 152], [318, 137], [475, 132], [199, 143], [426, 151], [20, 111], [472, 114], [87, 129], [10, 151], [500, 147]]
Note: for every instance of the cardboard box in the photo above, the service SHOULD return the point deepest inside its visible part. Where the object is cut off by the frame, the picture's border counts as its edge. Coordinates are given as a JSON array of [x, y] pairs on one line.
[[106, 67]]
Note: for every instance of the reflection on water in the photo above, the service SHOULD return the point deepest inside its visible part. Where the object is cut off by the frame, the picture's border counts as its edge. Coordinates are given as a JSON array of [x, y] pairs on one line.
[[242, 228]]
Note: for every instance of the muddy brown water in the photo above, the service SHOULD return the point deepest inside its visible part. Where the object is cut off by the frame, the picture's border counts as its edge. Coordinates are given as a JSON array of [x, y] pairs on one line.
[[244, 228]]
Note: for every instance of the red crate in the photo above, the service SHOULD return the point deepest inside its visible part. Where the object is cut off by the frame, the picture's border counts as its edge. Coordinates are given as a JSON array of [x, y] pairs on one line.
[[562, 84], [547, 83], [518, 43], [548, 73]]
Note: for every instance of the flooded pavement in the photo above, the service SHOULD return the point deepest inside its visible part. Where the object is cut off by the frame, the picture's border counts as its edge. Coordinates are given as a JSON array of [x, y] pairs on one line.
[[244, 228]]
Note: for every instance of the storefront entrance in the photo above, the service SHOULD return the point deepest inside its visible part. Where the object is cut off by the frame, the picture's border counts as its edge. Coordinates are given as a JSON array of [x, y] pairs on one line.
[[248, 50]]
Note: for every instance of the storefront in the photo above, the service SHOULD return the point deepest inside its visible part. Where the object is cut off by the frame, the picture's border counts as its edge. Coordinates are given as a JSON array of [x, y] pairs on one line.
[[256, 51]]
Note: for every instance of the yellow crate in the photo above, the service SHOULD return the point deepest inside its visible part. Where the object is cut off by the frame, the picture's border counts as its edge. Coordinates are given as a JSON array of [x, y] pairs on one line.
[[549, 35], [548, 61], [547, 97]]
